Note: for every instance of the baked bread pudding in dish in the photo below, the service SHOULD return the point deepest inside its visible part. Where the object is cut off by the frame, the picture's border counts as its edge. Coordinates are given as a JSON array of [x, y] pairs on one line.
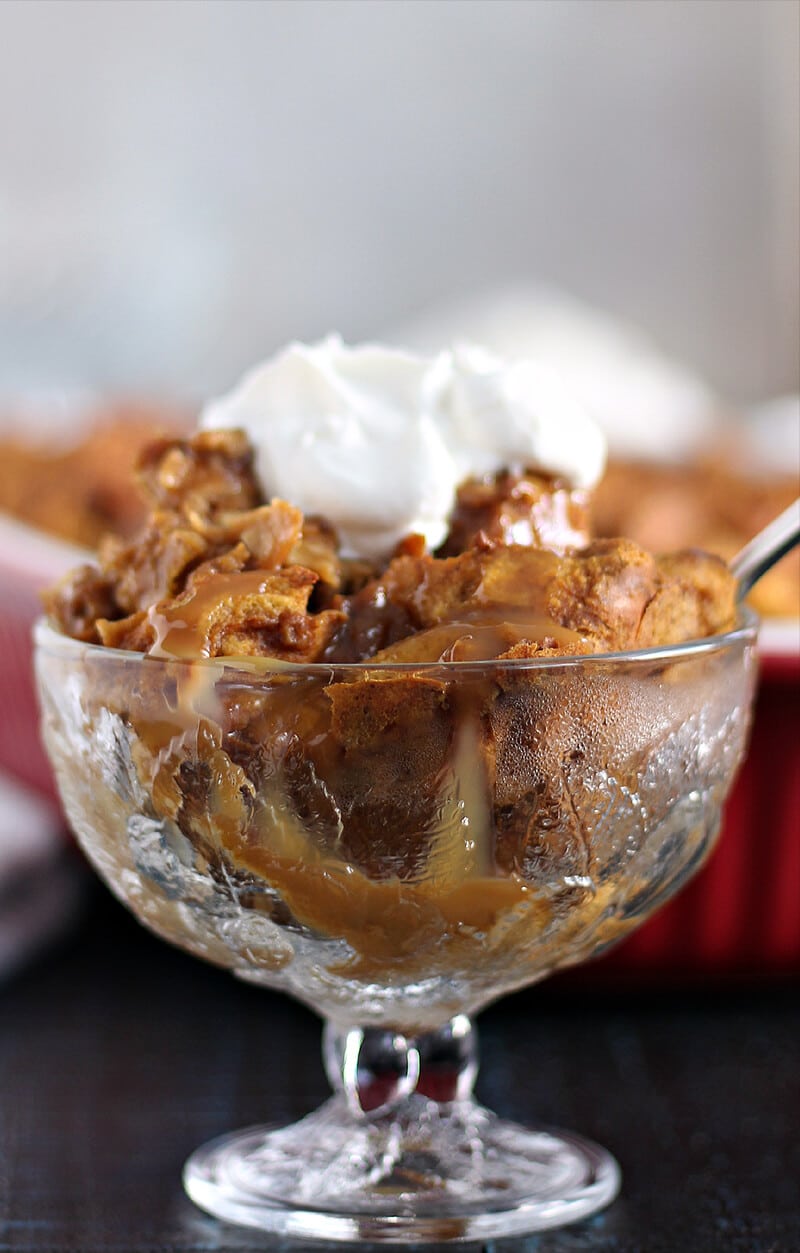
[[218, 571], [710, 500], [79, 486], [364, 712], [368, 713]]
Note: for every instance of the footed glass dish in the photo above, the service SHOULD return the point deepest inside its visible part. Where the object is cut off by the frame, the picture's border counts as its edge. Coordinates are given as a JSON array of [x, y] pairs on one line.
[[397, 846]]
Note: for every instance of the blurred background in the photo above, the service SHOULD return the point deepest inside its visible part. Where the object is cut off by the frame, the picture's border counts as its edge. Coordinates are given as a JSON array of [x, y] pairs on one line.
[[185, 186]]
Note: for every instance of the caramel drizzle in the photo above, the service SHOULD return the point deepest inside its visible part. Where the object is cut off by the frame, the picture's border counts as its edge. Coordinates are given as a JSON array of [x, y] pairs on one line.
[[181, 630]]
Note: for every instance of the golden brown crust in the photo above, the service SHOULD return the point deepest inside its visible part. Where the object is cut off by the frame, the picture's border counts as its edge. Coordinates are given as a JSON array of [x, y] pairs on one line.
[[210, 472], [153, 566], [709, 504], [696, 597], [530, 509], [84, 492], [216, 571], [79, 601]]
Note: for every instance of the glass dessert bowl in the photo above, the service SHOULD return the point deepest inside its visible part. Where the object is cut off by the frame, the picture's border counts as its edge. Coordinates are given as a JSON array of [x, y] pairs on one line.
[[397, 845]]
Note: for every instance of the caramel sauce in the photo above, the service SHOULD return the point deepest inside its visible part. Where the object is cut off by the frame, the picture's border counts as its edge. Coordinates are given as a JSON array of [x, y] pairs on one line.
[[391, 924], [408, 879], [510, 605], [476, 639], [392, 921], [505, 610], [181, 631]]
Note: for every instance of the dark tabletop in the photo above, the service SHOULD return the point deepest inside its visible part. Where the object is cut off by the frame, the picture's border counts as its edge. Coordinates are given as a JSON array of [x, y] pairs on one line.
[[119, 1055]]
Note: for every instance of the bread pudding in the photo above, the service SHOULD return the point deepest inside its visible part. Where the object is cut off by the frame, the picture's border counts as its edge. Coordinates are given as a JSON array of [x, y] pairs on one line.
[[431, 759]]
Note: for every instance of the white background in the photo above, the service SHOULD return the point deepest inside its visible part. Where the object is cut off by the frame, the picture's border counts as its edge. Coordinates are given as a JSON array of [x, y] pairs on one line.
[[185, 184]]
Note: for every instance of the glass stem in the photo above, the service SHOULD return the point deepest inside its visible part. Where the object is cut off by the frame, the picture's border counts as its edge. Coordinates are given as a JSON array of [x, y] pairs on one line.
[[377, 1070]]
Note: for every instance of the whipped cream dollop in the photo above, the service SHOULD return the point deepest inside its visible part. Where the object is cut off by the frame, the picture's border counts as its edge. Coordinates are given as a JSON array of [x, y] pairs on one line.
[[377, 439]]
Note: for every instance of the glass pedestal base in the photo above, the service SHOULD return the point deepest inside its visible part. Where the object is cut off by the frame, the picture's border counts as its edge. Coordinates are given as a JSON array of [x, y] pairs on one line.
[[424, 1171]]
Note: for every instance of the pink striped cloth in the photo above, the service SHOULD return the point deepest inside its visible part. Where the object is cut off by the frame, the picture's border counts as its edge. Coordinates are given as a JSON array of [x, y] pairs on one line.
[[29, 561], [40, 877]]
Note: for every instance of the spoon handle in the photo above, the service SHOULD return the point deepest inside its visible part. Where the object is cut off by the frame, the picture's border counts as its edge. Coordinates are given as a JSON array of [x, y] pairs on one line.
[[774, 542]]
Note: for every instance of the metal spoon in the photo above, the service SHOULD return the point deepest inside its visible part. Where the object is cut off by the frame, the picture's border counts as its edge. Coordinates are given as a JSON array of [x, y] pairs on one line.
[[774, 542]]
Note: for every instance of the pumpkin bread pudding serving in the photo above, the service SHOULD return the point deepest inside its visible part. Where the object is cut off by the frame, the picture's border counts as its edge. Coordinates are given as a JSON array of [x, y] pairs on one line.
[[351, 505], [396, 551]]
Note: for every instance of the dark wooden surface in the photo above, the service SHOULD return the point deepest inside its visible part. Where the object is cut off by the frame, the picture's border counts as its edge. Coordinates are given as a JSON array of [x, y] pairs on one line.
[[119, 1055]]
